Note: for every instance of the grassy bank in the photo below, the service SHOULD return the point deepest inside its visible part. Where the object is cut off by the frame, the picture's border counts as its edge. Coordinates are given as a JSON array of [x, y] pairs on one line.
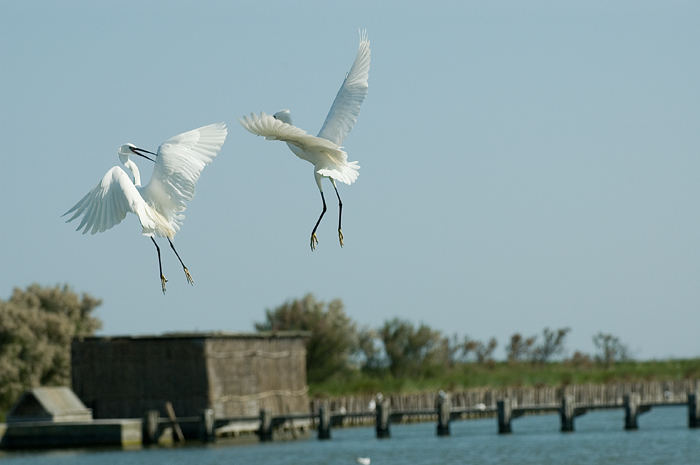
[[500, 374]]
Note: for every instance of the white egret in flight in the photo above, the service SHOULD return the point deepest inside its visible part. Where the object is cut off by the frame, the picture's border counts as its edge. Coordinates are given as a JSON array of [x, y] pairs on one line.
[[324, 151], [158, 205]]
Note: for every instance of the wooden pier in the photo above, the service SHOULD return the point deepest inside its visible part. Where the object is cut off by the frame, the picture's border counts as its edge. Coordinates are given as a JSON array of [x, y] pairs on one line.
[[505, 411]]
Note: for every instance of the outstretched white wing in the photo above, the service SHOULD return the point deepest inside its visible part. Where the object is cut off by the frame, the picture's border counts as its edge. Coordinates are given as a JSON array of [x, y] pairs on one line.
[[272, 128], [329, 159], [346, 106], [179, 163], [108, 203]]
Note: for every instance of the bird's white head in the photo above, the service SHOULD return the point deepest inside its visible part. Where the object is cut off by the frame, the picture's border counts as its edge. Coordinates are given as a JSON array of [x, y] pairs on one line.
[[124, 152], [130, 149], [284, 115]]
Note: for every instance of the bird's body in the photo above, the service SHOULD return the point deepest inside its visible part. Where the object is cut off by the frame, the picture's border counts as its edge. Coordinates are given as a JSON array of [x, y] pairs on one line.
[[160, 204], [324, 151], [328, 158]]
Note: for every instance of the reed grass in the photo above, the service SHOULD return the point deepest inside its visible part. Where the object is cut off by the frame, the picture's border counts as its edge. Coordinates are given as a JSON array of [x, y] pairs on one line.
[[505, 374]]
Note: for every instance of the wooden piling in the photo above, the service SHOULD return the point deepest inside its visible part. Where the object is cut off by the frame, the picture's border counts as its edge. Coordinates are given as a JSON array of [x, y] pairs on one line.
[[207, 432], [382, 417], [694, 409], [505, 414], [567, 413], [324, 422], [177, 431], [265, 430], [631, 403], [443, 404], [149, 427]]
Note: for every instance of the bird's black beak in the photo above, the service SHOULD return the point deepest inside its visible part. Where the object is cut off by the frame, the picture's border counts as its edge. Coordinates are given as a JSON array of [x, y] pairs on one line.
[[137, 151]]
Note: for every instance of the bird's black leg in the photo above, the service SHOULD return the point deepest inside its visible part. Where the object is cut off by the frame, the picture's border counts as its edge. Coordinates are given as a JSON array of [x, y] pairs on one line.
[[160, 267], [314, 240], [340, 215], [187, 272]]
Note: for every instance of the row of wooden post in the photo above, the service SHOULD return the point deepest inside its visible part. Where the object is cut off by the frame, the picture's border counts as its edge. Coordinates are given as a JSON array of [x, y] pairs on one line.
[[504, 409], [631, 404], [506, 413]]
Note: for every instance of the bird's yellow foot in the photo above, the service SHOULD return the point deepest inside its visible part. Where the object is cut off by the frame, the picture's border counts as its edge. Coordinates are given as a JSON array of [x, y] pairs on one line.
[[314, 241], [162, 282], [188, 276], [340, 237]]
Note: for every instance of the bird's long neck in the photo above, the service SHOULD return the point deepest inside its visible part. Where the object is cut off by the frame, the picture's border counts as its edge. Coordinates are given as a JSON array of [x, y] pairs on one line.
[[134, 172]]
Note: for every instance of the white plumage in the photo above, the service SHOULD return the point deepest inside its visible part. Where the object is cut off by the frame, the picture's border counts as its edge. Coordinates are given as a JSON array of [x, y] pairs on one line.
[[346, 106], [159, 205], [109, 202], [329, 159], [324, 151]]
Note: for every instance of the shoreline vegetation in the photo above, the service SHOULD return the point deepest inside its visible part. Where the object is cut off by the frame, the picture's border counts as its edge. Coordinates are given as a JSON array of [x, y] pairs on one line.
[[507, 374], [344, 358]]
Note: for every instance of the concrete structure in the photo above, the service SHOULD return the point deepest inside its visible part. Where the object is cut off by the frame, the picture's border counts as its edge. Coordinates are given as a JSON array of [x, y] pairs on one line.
[[383, 417], [324, 422], [567, 413], [55, 417], [48, 434], [504, 408], [443, 405], [694, 409], [52, 404], [235, 375]]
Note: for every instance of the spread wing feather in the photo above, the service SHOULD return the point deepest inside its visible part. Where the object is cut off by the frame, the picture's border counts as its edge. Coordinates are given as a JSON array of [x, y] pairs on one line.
[[179, 163], [328, 158], [346, 106], [272, 128], [108, 203]]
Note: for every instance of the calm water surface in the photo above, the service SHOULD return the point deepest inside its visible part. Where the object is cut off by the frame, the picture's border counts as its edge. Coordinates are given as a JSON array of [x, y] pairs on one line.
[[663, 438]]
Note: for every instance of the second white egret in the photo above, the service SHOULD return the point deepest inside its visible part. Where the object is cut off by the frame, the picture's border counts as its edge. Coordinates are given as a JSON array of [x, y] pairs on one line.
[[324, 151], [159, 205]]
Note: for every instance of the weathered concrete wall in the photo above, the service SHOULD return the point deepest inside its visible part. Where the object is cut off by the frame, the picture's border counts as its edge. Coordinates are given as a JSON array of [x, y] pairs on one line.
[[248, 374]]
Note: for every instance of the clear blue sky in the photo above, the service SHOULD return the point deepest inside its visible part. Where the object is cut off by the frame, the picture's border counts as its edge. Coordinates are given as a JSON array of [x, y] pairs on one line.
[[524, 164]]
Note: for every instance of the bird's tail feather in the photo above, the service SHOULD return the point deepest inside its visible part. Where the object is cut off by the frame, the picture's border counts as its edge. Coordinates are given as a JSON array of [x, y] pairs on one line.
[[346, 173]]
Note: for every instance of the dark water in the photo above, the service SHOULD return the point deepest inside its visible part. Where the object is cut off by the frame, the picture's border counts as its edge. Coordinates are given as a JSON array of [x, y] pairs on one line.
[[663, 438]]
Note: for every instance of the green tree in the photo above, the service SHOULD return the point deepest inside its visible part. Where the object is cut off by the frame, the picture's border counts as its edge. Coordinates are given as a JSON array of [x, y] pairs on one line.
[[333, 335], [484, 351], [552, 345], [411, 350], [369, 351], [609, 349], [36, 328], [519, 348]]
